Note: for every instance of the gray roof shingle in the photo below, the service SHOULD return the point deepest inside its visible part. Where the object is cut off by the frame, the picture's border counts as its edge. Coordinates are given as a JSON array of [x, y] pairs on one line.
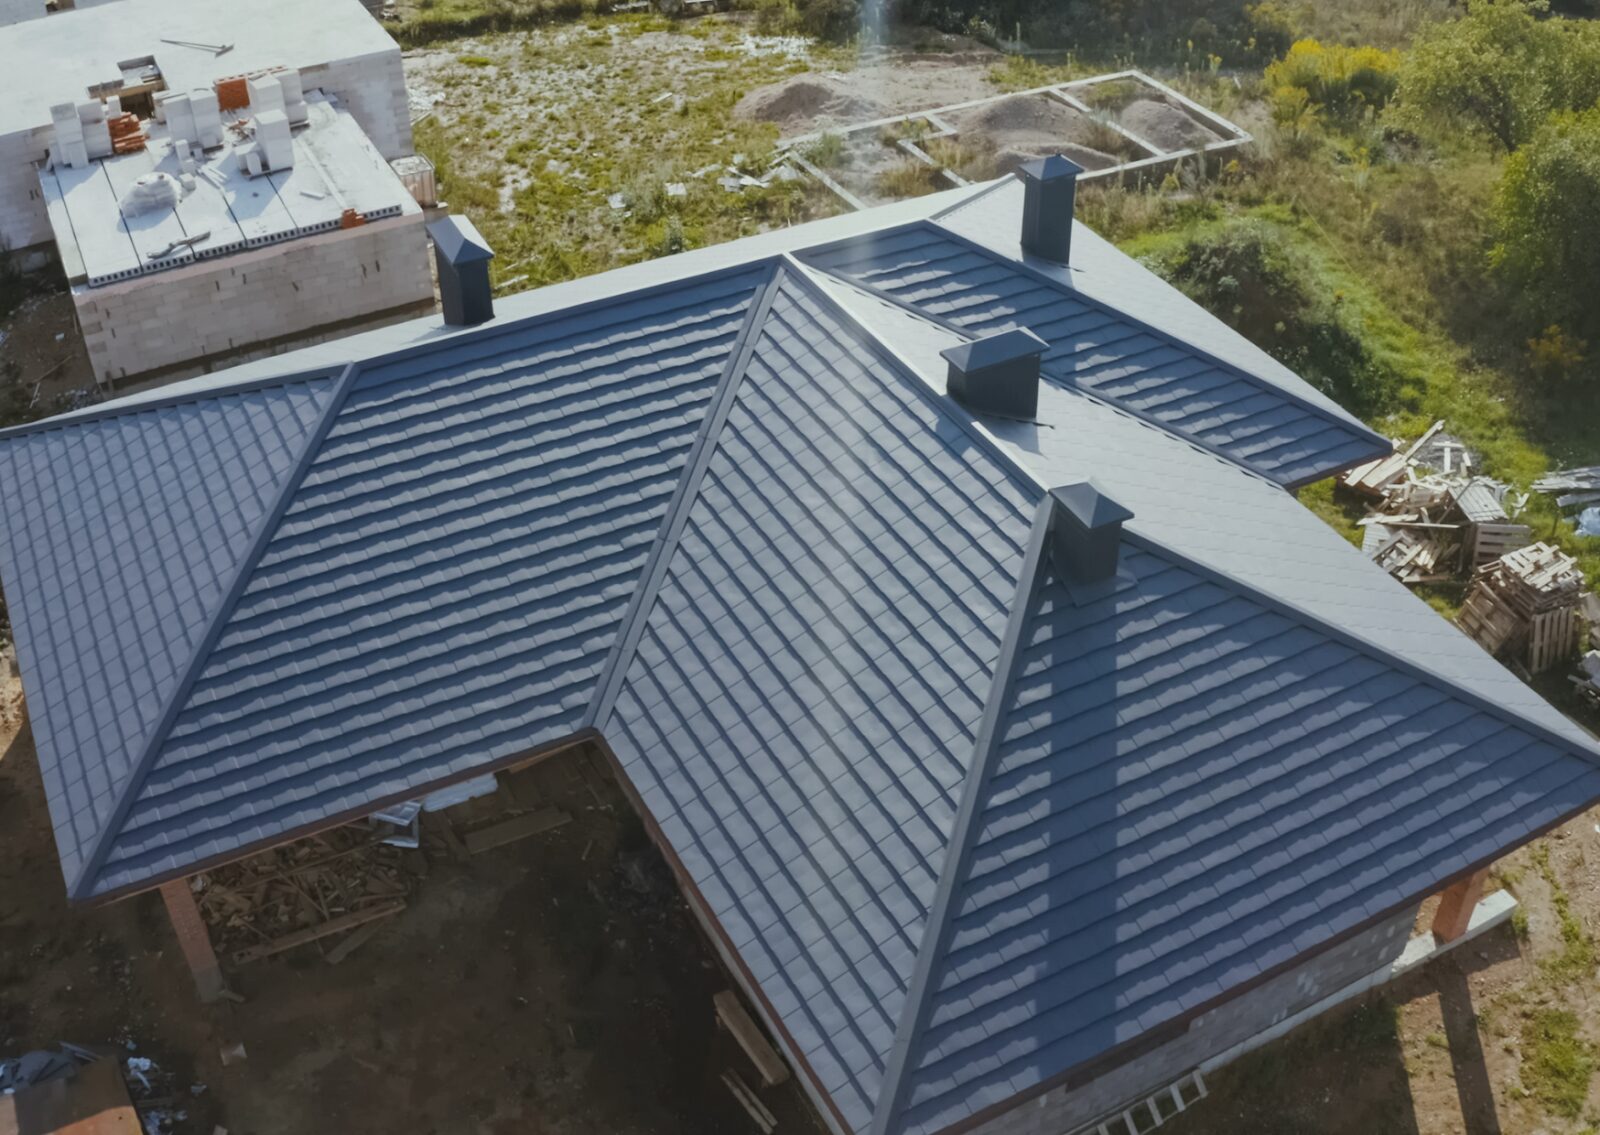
[[964, 835], [1105, 352]]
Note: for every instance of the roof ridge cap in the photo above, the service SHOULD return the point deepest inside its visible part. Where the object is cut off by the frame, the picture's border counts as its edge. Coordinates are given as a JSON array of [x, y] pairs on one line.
[[1383, 653], [936, 931], [127, 792], [631, 629]]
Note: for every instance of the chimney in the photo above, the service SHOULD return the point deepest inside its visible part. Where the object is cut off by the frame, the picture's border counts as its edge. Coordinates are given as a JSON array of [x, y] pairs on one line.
[[998, 374], [1086, 536], [462, 257], [1051, 186]]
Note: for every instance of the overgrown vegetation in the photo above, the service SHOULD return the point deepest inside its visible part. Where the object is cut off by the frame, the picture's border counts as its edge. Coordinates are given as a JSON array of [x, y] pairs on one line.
[[1557, 1062], [607, 143]]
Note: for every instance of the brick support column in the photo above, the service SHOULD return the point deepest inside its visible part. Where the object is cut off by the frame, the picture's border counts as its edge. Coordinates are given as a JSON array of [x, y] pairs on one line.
[[193, 938], [1456, 907]]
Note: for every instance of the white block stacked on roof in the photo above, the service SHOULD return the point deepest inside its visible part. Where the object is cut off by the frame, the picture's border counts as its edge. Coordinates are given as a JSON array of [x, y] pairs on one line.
[[207, 117], [70, 148], [96, 131], [294, 97], [266, 94], [273, 139], [178, 110]]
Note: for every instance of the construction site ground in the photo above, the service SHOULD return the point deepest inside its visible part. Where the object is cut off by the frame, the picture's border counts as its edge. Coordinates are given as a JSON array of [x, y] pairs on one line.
[[554, 985]]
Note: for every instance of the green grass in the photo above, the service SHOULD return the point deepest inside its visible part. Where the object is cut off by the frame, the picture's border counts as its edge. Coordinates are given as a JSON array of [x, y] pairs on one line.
[[1556, 1062], [1576, 961], [593, 110]]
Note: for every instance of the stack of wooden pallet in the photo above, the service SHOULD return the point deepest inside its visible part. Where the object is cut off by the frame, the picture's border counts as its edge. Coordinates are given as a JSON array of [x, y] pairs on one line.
[[1524, 607]]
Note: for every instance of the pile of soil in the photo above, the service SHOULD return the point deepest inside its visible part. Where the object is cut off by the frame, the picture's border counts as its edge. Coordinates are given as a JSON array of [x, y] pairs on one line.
[[1165, 125], [1017, 130], [807, 101]]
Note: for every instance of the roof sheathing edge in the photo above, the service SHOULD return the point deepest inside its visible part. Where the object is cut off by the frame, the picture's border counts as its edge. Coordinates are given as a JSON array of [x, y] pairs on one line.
[[937, 928], [84, 886]]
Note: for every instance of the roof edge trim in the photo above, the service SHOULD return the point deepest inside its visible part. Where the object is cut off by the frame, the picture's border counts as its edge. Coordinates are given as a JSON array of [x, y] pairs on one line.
[[122, 407], [1354, 424], [83, 886], [936, 932], [631, 630]]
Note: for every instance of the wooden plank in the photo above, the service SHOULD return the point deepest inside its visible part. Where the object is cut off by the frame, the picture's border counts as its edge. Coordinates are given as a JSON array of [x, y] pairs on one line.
[[518, 827], [731, 1012], [753, 1107], [93, 1102], [314, 933], [353, 942]]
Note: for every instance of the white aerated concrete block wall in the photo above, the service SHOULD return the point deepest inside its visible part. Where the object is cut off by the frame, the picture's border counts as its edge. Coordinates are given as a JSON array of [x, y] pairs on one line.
[[214, 309], [373, 89], [24, 221]]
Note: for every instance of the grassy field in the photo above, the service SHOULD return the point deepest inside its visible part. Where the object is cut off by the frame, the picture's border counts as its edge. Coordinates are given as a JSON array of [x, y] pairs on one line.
[[593, 144]]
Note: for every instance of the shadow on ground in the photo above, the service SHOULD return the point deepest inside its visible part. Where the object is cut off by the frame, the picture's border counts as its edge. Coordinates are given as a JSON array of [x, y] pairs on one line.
[[1347, 1071]]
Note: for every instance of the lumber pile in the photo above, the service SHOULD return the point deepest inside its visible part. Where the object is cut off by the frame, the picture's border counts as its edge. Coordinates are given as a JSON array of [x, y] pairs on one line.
[[302, 893], [1525, 607]]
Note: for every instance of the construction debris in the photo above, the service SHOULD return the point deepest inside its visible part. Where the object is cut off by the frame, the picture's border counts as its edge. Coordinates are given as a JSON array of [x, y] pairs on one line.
[[1576, 489], [758, 1112], [41, 1067], [1525, 608], [302, 892], [1429, 527], [1587, 679]]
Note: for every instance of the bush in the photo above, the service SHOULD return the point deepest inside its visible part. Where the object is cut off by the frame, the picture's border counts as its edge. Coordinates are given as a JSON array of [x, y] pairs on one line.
[[1545, 214], [1500, 71], [1248, 275], [1344, 83]]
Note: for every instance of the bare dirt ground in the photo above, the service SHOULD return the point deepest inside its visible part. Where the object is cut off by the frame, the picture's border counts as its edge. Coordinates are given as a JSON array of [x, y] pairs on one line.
[[556, 985], [41, 338]]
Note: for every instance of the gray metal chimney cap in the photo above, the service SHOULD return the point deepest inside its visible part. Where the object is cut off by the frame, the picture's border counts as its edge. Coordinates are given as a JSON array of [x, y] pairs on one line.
[[993, 350], [1051, 168], [459, 241], [1088, 504]]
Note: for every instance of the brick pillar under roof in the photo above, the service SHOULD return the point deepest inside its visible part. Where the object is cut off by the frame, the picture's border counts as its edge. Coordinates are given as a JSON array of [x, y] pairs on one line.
[[194, 938], [1456, 906]]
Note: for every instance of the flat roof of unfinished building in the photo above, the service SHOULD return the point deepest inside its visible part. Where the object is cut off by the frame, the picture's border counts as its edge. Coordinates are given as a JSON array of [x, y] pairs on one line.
[[56, 59]]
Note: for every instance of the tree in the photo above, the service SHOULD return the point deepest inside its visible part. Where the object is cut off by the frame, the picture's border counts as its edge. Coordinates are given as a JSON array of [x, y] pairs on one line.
[[1546, 211], [1500, 70]]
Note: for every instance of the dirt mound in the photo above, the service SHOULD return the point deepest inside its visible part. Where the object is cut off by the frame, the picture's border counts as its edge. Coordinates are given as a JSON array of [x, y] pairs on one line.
[[1165, 125], [1008, 159], [1030, 123], [807, 100]]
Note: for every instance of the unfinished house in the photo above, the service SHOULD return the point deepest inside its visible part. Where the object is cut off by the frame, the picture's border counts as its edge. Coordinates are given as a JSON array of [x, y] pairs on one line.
[[933, 580], [215, 181]]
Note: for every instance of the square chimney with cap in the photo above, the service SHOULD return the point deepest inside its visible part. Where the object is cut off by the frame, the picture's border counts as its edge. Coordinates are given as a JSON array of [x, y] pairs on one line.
[[998, 374], [462, 257], [1050, 195], [1086, 535]]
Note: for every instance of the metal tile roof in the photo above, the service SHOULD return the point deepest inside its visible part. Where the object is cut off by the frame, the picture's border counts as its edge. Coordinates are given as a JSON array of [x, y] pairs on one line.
[[732, 521], [1098, 349], [117, 540], [1189, 785], [800, 708]]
